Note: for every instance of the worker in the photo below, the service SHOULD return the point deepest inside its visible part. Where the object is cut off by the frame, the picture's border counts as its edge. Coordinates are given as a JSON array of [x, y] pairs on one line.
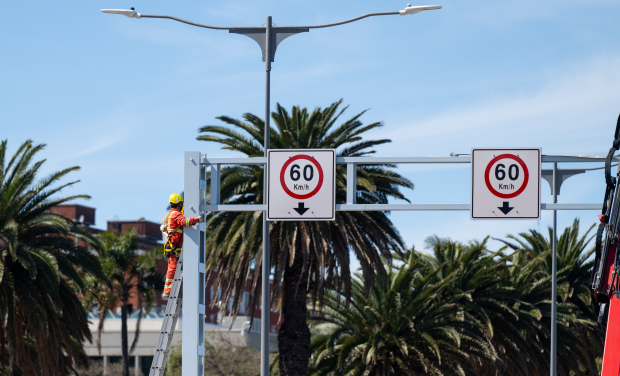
[[173, 227]]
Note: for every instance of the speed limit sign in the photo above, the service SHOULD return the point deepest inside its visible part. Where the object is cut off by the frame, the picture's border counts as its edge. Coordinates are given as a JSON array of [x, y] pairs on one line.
[[300, 184], [505, 183]]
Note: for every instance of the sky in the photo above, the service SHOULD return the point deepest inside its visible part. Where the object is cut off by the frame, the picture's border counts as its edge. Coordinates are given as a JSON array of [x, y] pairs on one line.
[[124, 98]]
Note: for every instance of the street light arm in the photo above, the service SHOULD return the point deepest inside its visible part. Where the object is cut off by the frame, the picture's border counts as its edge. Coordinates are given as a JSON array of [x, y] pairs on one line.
[[408, 10], [347, 21], [189, 22]]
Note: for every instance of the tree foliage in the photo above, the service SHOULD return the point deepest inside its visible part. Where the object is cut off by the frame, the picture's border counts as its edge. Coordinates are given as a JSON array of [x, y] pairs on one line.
[[465, 310], [42, 323], [129, 273], [307, 256]]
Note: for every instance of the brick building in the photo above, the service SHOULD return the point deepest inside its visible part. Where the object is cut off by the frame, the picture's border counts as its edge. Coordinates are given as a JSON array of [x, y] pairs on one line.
[[84, 216], [148, 232], [81, 214]]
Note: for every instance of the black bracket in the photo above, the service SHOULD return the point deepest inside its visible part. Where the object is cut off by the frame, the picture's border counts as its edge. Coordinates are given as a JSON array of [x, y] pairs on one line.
[[277, 36], [561, 176]]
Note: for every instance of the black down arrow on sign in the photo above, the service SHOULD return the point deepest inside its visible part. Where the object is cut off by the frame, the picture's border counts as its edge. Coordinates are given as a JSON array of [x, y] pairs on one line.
[[505, 208], [301, 209]]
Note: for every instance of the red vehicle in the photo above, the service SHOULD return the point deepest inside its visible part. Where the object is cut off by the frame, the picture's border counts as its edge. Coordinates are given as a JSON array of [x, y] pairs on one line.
[[606, 272]]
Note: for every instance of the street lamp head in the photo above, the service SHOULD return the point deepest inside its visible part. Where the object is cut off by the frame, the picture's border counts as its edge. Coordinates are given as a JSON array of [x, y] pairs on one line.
[[417, 9], [125, 12]]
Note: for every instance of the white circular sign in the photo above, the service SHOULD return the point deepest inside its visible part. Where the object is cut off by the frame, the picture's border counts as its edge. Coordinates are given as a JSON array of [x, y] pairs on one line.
[[301, 177], [506, 176]]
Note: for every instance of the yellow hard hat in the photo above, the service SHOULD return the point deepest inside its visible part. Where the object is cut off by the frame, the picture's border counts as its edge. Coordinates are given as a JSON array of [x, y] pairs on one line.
[[175, 198]]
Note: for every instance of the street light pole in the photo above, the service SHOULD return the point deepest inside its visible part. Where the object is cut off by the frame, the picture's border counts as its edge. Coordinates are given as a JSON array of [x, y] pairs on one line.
[[554, 277], [265, 309], [268, 38]]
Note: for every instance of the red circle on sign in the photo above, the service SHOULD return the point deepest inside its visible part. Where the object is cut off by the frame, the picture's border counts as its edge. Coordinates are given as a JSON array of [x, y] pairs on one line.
[[526, 176], [318, 168]]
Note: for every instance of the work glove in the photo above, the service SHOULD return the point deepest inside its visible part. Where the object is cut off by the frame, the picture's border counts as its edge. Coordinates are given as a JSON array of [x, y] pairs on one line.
[[163, 228], [201, 219]]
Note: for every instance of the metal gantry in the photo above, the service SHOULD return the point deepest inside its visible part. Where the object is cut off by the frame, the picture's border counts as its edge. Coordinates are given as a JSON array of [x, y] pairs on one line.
[[352, 162], [558, 177], [195, 186]]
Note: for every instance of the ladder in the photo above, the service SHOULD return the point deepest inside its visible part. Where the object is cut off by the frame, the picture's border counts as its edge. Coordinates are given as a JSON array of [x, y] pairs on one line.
[[173, 308]]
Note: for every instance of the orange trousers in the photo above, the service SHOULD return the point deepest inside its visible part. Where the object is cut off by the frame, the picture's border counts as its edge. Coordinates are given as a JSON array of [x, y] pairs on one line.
[[172, 268]]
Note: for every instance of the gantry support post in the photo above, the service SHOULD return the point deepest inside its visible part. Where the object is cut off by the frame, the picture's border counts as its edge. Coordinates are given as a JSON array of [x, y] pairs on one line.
[[193, 269]]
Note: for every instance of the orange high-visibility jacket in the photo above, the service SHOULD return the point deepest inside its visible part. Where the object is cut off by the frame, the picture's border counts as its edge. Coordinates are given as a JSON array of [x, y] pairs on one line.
[[175, 221]]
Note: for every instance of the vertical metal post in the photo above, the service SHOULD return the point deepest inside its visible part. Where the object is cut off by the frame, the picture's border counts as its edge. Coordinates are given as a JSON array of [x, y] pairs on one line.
[[264, 332], [215, 184], [193, 270], [554, 278], [351, 182], [137, 371]]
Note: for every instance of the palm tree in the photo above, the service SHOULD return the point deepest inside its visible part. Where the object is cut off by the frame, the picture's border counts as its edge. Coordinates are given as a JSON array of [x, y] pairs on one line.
[[307, 257], [493, 302], [131, 273], [505, 300], [509, 295], [411, 325], [43, 323], [580, 340]]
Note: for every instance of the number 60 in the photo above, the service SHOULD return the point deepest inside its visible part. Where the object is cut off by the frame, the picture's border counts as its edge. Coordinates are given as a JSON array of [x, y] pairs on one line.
[[308, 173], [500, 173]]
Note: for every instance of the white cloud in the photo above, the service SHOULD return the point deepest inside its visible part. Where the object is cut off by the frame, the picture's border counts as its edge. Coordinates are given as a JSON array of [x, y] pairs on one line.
[[100, 144], [572, 112], [79, 140]]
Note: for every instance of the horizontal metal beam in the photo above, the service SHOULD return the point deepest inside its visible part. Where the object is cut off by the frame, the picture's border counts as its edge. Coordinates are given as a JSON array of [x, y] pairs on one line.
[[233, 207], [400, 207], [577, 158], [404, 160], [240, 160], [397, 207], [398, 160], [571, 206], [452, 207], [344, 160]]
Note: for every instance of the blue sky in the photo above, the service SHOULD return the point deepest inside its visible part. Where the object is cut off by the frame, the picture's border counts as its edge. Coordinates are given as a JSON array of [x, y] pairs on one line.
[[124, 98]]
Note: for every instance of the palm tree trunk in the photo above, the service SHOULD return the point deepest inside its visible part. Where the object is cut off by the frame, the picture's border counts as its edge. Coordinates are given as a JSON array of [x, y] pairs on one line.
[[294, 335], [124, 338], [102, 313], [136, 334], [2, 343]]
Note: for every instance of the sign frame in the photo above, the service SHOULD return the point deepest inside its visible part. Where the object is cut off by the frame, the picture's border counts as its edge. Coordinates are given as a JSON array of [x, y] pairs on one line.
[[529, 178], [324, 182]]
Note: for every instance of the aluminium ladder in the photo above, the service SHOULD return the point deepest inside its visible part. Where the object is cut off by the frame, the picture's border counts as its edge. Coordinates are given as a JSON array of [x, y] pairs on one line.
[[173, 308]]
